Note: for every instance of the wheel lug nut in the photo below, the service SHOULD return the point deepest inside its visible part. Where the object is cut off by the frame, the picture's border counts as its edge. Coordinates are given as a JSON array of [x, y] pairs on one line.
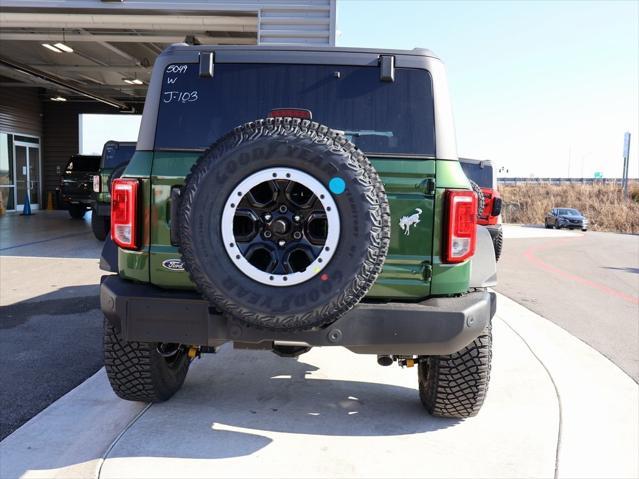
[[297, 235], [267, 234], [283, 209], [281, 242], [267, 217], [297, 218]]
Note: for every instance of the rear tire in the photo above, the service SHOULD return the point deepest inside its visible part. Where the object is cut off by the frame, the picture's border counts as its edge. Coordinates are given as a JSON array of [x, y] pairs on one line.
[[77, 211], [227, 176], [455, 386], [498, 243], [137, 372], [100, 225]]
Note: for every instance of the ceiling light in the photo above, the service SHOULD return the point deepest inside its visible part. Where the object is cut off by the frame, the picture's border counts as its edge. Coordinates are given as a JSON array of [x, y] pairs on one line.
[[63, 47], [58, 98], [137, 82], [51, 47], [133, 81]]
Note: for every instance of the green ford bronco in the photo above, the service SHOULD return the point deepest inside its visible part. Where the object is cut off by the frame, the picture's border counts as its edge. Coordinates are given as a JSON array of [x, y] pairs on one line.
[[285, 198]]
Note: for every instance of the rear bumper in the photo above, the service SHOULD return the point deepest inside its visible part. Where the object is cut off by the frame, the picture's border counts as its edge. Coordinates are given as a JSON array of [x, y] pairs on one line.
[[434, 327], [77, 199]]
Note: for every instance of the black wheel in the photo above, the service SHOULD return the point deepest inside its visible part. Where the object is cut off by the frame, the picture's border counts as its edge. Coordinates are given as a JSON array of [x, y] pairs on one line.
[[77, 211], [498, 243], [481, 201], [455, 386], [584, 229], [138, 372], [100, 225], [283, 224]]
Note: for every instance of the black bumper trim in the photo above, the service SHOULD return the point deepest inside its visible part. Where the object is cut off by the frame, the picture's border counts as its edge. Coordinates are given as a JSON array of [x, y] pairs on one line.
[[436, 326]]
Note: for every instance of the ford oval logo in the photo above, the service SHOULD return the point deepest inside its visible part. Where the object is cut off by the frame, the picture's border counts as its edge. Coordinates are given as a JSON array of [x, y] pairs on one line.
[[173, 264]]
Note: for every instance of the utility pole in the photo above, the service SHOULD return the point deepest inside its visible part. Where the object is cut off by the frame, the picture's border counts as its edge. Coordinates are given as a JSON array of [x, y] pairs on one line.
[[626, 163]]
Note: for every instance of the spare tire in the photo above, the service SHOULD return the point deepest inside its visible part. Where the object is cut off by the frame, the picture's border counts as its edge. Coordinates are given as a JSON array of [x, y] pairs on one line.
[[481, 200], [283, 224]]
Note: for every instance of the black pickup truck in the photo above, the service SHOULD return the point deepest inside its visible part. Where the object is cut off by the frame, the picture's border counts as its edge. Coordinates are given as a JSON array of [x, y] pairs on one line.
[[76, 184]]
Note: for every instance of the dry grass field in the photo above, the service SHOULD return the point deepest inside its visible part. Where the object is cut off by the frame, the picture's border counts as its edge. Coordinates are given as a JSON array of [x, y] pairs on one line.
[[602, 204]]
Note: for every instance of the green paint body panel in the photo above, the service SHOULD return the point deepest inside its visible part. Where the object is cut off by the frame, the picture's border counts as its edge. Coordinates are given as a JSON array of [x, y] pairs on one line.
[[409, 255], [413, 268]]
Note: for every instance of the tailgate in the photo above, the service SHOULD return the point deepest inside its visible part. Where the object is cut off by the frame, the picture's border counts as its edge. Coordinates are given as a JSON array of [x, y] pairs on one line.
[[410, 187]]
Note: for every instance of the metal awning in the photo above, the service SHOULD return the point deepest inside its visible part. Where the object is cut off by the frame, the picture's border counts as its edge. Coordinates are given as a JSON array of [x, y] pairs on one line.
[[105, 54]]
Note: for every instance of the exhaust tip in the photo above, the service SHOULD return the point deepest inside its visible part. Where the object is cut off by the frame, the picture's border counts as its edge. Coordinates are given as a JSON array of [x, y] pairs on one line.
[[384, 360]]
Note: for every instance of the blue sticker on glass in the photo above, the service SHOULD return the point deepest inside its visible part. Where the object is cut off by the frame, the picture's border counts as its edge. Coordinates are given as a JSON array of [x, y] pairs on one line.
[[337, 185]]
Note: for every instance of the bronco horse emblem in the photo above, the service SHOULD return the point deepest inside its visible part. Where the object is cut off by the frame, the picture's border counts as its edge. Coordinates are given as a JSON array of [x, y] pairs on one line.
[[405, 222]]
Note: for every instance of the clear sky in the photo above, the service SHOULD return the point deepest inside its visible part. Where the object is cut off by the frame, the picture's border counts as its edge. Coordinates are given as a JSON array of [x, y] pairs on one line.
[[533, 84]]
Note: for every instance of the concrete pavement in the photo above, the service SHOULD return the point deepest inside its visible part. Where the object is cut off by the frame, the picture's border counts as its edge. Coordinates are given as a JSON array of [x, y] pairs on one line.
[[333, 413]]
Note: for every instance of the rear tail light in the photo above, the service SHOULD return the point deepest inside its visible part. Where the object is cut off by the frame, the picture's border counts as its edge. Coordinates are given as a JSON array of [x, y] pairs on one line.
[[496, 211], [124, 204], [461, 226], [96, 183]]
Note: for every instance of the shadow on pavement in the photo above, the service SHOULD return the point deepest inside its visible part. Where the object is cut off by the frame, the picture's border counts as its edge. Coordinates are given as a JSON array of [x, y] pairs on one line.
[[79, 299], [47, 347], [235, 403], [626, 269]]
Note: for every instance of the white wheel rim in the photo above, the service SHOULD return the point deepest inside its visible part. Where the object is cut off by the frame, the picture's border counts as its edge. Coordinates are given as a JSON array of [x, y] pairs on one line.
[[332, 218]]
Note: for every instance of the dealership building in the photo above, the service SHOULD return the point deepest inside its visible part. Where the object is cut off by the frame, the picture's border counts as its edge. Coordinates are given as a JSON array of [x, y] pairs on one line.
[[62, 59]]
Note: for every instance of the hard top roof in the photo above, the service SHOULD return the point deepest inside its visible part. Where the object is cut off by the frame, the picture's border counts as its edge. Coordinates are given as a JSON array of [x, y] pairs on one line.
[[476, 162], [419, 52], [125, 143]]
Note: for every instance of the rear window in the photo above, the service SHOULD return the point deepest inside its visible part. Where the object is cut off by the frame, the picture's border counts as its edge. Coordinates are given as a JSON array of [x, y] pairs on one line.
[[379, 117], [568, 212], [115, 155], [83, 164], [482, 174]]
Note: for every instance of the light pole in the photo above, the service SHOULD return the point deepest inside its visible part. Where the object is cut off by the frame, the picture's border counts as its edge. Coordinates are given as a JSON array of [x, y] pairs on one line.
[[626, 163]]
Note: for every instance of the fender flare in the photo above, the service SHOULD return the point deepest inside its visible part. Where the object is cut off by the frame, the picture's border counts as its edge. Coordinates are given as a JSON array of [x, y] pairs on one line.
[[483, 266]]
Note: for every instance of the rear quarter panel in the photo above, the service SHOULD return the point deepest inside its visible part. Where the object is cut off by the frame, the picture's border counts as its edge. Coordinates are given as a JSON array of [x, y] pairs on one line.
[[447, 279]]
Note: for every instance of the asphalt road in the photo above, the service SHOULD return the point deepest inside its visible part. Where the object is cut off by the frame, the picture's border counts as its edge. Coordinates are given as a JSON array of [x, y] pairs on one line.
[[50, 322], [586, 283]]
